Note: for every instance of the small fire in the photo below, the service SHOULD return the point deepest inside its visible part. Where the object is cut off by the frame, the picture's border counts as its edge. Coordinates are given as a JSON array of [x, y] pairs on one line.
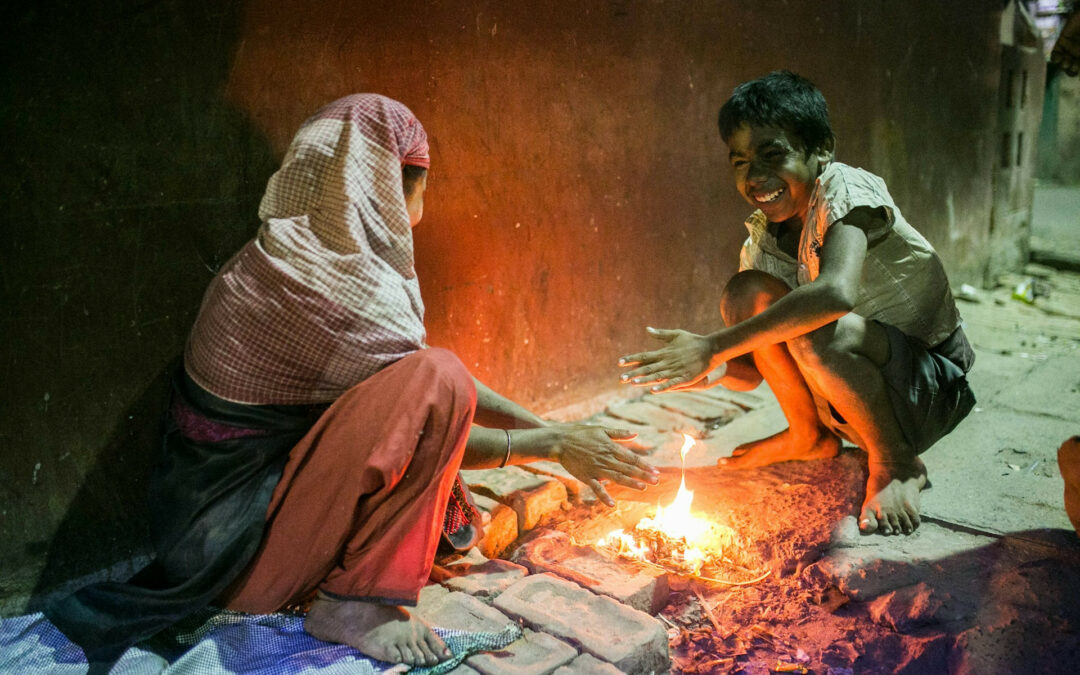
[[674, 536]]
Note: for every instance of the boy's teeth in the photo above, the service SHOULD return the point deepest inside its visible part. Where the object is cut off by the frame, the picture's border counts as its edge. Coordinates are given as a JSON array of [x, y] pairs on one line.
[[769, 197]]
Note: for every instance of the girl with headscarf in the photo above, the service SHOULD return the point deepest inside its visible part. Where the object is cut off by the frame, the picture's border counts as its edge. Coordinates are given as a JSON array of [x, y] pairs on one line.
[[313, 440]]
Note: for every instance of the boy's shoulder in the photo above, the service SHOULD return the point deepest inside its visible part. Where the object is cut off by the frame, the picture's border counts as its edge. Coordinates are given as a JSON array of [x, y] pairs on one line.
[[851, 177]]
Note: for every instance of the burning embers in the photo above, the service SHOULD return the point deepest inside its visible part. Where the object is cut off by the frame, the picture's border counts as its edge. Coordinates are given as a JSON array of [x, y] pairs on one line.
[[679, 541]]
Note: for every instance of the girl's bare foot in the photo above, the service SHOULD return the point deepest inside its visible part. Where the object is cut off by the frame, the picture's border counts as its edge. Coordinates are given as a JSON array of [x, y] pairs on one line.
[[783, 447], [385, 632], [1069, 463], [892, 497]]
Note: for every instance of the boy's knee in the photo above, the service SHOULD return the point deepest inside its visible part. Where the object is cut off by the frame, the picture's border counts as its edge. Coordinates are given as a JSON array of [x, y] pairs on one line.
[[820, 347], [748, 293]]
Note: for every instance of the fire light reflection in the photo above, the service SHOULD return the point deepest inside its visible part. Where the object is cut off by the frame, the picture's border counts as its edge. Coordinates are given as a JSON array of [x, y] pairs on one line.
[[676, 538]]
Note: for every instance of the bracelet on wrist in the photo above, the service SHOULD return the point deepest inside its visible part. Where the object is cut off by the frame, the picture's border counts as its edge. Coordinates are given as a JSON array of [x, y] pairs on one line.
[[507, 457]]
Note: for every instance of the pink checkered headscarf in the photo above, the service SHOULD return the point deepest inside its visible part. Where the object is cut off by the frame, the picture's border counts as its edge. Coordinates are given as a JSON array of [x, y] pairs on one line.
[[326, 294]]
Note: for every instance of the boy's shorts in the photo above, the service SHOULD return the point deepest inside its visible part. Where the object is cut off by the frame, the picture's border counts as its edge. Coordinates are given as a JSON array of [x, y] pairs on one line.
[[928, 389]]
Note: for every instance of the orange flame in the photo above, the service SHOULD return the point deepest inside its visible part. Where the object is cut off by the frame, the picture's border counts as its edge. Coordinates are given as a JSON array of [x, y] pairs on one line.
[[676, 521]]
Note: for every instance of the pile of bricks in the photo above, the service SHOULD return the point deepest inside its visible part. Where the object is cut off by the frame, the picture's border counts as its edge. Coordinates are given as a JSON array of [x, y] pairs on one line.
[[581, 611]]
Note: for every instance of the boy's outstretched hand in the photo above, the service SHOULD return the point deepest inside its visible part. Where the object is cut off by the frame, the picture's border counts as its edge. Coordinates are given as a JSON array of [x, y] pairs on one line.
[[684, 362]]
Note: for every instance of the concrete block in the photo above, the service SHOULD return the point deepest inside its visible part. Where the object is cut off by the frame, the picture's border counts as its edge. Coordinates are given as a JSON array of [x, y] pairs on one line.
[[587, 664], [534, 654], [462, 611], [500, 526], [481, 578], [644, 589], [630, 639], [531, 496]]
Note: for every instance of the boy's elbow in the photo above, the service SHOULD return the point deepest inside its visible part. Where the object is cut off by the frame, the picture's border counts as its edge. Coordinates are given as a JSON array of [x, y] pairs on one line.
[[840, 298]]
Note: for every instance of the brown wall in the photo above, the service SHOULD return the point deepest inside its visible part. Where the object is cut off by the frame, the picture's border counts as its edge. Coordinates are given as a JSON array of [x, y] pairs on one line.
[[578, 193]]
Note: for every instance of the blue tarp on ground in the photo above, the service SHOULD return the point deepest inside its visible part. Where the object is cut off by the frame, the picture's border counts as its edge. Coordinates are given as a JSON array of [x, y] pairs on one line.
[[223, 642]]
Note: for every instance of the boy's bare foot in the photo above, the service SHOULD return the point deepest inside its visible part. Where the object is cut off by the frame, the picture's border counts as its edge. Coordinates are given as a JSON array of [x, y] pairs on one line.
[[892, 497], [385, 632], [783, 447], [1069, 463]]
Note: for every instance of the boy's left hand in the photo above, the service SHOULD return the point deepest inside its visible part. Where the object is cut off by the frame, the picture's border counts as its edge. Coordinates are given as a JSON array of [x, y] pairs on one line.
[[682, 363]]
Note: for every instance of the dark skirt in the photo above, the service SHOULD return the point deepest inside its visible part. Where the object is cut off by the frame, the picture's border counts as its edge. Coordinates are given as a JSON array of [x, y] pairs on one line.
[[218, 467]]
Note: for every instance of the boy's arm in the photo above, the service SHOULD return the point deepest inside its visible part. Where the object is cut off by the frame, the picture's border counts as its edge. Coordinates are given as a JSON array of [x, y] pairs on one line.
[[687, 358]]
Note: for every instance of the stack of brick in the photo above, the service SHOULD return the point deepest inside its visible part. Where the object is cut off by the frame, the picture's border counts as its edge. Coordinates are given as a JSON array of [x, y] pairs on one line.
[[582, 612]]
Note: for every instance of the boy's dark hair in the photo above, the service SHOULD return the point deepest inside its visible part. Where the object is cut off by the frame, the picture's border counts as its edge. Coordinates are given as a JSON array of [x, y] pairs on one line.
[[779, 99]]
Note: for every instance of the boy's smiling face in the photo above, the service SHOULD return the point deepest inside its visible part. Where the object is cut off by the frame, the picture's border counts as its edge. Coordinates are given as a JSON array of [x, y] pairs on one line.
[[774, 172]]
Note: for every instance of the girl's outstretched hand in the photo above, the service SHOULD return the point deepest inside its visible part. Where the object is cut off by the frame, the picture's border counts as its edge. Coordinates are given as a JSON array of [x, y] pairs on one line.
[[596, 455]]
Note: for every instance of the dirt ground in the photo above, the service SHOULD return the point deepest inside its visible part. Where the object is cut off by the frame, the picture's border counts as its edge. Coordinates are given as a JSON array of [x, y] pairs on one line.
[[990, 582]]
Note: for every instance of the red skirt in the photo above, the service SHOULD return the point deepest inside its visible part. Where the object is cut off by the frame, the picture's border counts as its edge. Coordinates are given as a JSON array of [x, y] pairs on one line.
[[359, 509]]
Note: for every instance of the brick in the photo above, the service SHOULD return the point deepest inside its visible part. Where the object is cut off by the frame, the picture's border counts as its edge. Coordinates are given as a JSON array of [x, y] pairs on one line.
[[648, 437], [478, 577], [575, 489], [430, 593], [587, 664], [643, 412], [461, 611], [500, 526], [631, 640], [531, 496], [713, 411], [669, 454], [643, 589], [535, 654], [747, 400]]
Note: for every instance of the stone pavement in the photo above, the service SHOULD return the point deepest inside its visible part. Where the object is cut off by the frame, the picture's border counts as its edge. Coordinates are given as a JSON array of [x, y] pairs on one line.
[[994, 562]]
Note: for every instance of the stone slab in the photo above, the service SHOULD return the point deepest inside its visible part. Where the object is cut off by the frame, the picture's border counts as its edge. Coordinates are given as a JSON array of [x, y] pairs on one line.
[[530, 495], [587, 664], [644, 589], [500, 526], [534, 654], [632, 640]]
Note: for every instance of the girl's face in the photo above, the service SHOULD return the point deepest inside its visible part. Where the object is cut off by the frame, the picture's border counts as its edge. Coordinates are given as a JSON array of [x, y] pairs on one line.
[[774, 172], [414, 203]]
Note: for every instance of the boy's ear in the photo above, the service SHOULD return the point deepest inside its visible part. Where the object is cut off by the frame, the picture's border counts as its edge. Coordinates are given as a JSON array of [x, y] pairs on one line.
[[826, 151]]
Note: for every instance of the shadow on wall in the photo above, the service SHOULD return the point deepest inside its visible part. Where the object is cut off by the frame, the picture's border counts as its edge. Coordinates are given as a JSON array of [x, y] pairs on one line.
[[129, 180]]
